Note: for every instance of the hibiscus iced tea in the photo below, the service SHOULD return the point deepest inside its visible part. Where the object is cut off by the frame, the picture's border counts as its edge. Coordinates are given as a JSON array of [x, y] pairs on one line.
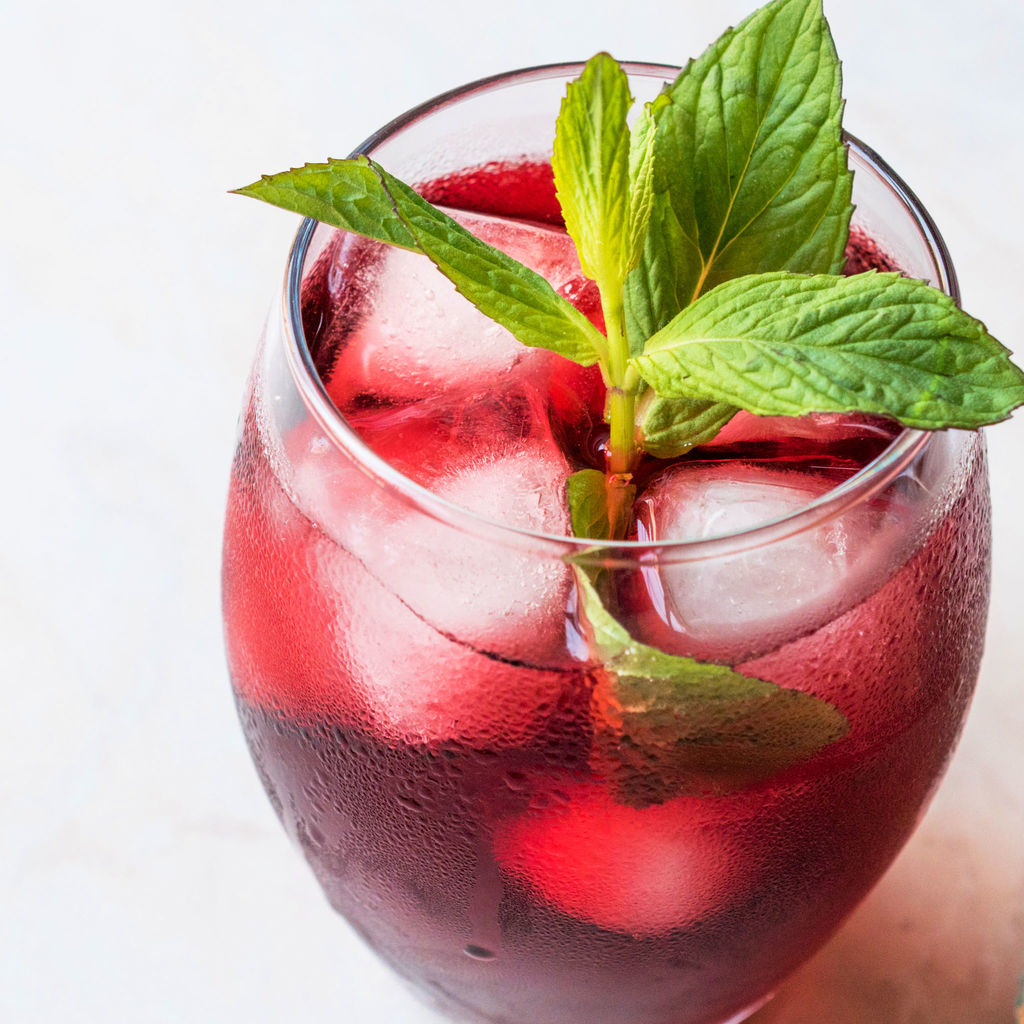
[[416, 676]]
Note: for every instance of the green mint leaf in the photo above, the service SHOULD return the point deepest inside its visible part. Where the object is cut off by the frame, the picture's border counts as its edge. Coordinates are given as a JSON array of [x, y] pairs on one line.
[[789, 344], [653, 292], [591, 167], [672, 426], [343, 193], [500, 287], [667, 725], [587, 494], [600, 506], [759, 178], [359, 196], [750, 158]]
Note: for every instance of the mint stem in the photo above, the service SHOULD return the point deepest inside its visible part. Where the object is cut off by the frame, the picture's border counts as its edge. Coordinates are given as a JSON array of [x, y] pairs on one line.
[[622, 447], [623, 450]]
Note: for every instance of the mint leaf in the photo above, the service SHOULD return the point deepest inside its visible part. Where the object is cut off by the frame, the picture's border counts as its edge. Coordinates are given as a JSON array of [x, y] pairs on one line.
[[343, 193], [667, 726], [654, 291], [600, 506], [359, 196], [672, 426], [787, 344], [587, 495], [749, 158], [603, 177], [500, 287], [591, 167]]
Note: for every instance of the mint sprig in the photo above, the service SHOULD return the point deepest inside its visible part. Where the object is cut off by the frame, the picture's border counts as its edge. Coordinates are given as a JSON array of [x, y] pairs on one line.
[[734, 174], [752, 177], [586, 495]]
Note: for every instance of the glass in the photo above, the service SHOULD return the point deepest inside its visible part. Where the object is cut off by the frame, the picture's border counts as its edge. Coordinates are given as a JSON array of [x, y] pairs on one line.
[[415, 683]]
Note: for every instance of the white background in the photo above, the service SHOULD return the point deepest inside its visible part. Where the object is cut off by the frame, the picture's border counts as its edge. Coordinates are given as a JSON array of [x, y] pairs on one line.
[[144, 877]]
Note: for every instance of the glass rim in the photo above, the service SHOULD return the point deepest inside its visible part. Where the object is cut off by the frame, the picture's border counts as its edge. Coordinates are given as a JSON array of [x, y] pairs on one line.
[[860, 487]]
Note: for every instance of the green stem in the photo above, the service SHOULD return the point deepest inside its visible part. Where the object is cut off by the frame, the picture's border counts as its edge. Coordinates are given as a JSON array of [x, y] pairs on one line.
[[621, 410], [623, 450]]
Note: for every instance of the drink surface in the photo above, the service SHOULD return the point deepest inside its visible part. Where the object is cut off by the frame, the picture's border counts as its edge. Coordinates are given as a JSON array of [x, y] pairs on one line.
[[426, 717]]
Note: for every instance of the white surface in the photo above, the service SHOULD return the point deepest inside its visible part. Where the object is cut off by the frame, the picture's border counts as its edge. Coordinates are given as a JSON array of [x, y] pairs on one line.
[[144, 876]]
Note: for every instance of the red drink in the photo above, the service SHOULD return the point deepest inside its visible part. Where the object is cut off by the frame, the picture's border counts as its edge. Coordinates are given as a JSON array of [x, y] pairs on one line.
[[419, 696]]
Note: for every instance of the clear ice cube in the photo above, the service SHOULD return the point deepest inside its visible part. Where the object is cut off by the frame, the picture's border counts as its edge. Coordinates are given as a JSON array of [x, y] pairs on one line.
[[731, 606], [470, 581], [413, 683]]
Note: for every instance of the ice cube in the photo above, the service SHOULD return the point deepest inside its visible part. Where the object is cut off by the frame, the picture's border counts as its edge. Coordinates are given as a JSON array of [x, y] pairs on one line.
[[430, 440], [497, 593], [730, 607], [411, 683], [641, 871], [416, 336]]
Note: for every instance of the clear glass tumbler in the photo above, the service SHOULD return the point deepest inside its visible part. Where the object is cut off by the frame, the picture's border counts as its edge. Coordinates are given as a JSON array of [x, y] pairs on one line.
[[416, 681]]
